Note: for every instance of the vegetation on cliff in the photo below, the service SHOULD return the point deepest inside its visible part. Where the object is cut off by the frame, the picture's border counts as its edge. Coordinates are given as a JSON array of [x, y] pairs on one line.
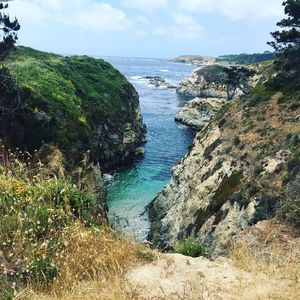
[[73, 102], [246, 59]]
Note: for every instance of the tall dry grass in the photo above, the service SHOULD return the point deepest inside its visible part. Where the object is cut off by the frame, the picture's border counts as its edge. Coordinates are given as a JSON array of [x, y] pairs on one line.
[[93, 266], [273, 253]]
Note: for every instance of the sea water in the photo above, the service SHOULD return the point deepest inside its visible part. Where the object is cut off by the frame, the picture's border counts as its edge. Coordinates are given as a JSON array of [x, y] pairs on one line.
[[131, 189]]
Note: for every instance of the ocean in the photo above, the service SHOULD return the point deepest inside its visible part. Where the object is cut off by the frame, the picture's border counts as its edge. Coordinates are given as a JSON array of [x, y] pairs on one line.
[[131, 189]]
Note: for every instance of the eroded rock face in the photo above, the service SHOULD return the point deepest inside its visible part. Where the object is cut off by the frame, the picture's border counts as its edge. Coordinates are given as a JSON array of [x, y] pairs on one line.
[[120, 143], [195, 202], [233, 177], [198, 112]]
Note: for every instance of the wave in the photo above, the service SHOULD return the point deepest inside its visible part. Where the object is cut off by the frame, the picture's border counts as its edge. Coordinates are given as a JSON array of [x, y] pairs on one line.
[[136, 77], [182, 126], [164, 70]]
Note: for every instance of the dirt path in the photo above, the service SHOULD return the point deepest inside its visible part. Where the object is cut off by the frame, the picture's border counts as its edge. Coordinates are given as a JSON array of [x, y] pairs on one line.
[[175, 276]]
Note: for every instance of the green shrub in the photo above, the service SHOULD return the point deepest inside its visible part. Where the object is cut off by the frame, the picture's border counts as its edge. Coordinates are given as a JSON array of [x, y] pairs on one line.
[[265, 209], [222, 123], [239, 198], [211, 148], [290, 207], [253, 189], [227, 187], [293, 166], [294, 106], [236, 140], [190, 247]]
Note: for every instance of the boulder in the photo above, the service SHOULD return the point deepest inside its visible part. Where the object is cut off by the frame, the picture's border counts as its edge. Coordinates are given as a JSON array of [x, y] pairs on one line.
[[158, 81]]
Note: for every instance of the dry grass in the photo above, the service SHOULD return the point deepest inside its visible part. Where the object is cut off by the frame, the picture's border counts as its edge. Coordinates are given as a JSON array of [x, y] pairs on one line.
[[272, 251], [94, 263]]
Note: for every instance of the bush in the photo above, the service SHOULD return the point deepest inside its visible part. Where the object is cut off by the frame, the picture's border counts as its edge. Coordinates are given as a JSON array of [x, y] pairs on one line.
[[294, 106], [265, 209], [236, 140], [290, 208], [240, 199], [190, 247], [253, 189]]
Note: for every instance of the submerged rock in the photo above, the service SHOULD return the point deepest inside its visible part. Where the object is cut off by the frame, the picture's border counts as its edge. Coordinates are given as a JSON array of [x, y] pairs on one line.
[[198, 112]]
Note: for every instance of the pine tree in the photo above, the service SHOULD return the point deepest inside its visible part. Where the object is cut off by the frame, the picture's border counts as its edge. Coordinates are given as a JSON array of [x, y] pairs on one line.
[[236, 78], [8, 31], [287, 41]]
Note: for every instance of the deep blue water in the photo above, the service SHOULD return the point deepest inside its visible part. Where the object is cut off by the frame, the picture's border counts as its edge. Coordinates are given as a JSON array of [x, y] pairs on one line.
[[131, 189]]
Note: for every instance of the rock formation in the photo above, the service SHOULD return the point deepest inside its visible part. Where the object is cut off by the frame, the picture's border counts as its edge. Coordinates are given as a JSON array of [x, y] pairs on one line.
[[76, 103], [198, 112], [158, 81], [232, 177]]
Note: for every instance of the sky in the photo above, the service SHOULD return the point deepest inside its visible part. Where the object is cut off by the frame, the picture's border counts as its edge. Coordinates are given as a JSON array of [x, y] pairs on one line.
[[147, 28]]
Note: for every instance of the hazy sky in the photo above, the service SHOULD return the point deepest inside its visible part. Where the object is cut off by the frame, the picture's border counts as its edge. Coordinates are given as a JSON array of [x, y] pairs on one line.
[[147, 28]]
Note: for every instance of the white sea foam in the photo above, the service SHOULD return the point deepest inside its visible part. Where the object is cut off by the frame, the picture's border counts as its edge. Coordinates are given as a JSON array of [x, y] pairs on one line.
[[136, 77], [108, 177], [182, 126], [164, 70]]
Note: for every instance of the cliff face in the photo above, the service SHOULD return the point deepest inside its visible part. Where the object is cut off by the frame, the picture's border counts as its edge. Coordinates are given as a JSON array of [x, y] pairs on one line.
[[197, 112], [76, 103], [204, 82], [235, 174], [208, 82]]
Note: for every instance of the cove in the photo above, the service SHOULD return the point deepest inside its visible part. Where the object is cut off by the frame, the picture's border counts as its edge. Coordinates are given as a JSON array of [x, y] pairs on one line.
[[131, 189]]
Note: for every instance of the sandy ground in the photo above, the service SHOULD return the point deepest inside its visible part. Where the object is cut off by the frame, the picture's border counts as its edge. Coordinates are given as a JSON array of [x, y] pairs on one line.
[[174, 276]]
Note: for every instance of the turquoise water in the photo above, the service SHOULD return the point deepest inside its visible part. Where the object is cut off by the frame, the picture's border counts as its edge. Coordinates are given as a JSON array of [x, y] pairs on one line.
[[131, 189]]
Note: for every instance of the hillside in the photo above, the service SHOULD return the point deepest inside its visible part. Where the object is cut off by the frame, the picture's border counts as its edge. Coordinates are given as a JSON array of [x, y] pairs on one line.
[[241, 169], [77, 103]]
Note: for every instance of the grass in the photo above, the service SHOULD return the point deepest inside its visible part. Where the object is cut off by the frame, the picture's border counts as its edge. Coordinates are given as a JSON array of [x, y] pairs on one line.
[[64, 100], [51, 240], [190, 247], [94, 265], [271, 251]]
